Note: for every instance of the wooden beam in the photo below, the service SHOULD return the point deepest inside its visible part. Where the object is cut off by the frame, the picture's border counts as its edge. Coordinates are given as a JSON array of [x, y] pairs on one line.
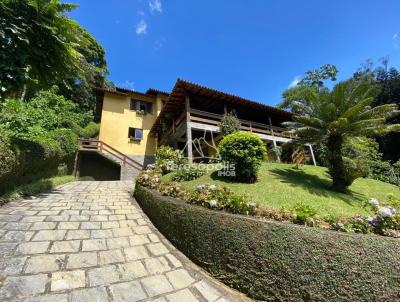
[[270, 125]]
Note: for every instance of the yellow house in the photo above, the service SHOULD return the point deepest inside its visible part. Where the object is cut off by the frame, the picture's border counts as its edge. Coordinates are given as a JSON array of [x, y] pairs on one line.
[[126, 120], [135, 123]]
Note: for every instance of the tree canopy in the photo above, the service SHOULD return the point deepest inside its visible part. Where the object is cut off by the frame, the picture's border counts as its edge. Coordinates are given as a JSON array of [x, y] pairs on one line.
[[330, 117], [41, 46]]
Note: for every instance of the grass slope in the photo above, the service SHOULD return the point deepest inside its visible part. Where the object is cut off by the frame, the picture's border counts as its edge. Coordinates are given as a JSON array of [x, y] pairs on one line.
[[281, 185], [36, 187]]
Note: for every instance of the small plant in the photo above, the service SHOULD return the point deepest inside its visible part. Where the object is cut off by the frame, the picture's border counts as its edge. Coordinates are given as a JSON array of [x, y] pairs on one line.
[[167, 159], [149, 178], [187, 174], [229, 124], [221, 198], [304, 214], [171, 189], [245, 151]]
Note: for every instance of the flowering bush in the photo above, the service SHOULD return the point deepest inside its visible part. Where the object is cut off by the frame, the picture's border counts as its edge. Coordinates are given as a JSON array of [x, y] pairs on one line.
[[385, 219], [167, 159], [149, 178], [172, 189], [221, 198], [187, 174]]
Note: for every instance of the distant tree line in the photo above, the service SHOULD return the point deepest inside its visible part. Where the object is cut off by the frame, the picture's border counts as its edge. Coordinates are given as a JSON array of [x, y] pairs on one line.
[[343, 122]]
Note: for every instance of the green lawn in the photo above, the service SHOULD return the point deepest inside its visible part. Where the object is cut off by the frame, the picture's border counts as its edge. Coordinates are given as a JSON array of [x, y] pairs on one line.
[[281, 185]]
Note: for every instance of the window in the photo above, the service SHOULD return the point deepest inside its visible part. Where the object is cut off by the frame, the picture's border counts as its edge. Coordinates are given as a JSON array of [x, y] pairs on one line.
[[139, 105], [135, 133]]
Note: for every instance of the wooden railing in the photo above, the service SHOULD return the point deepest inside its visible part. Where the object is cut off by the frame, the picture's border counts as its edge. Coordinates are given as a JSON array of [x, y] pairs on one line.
[[214, 119], [102, 147]]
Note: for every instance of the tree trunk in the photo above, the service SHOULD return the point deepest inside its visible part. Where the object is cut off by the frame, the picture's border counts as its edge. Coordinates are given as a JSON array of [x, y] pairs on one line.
[[337, 168]]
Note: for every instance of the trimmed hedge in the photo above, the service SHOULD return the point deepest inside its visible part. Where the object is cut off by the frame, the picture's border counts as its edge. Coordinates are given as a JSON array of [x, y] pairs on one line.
[[23, 160], [272, 261]]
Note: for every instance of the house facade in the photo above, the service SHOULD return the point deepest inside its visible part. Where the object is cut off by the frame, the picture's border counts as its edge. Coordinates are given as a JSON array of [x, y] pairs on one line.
[[187, 118]]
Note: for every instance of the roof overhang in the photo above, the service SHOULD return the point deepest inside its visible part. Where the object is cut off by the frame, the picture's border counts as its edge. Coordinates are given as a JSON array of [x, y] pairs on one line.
[[182, 88]]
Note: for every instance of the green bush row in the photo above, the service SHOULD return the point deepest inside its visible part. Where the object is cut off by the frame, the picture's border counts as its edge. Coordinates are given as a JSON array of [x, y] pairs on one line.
[[272, 261], [26, 159]]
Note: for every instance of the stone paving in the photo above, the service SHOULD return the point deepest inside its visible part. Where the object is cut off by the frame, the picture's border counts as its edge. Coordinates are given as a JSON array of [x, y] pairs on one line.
[[90, 241]]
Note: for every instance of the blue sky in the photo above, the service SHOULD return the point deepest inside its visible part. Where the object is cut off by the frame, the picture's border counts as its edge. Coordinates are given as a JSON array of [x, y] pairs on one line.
[[254, 49]]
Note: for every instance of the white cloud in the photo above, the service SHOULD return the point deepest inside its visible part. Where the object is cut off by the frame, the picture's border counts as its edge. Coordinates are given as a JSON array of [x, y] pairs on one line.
[[127, 84], [295, 81], [395, 41], [155, 6], [141, 27]]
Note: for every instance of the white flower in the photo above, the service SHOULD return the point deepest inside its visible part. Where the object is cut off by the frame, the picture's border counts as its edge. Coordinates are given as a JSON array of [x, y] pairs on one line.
[[374, 202], [212, 187], [156, 179], [394, 233], [213, 203], [200, 187], [339, 224], [387, 212], [145, 177]]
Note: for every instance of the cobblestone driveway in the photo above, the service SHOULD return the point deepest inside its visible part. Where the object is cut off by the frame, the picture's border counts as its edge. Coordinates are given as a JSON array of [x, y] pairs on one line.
[[90, 241]]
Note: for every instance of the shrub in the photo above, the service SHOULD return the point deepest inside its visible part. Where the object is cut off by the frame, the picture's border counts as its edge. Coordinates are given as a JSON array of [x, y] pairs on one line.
[[90, 130], [220, 198], [8, 161], [229, 124], [167, 159], [304, 214], [43, 113], [39, 157], [272, 261], [187, 174], [68, 142], [246, 151]]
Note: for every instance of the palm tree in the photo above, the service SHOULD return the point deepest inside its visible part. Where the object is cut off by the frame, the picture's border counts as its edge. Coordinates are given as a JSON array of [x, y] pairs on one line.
[[331, 117]]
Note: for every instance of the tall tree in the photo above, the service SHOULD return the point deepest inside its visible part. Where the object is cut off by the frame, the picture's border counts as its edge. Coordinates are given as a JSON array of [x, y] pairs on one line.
[[331, 117], [41, 47], [313, 82], [78, 86]]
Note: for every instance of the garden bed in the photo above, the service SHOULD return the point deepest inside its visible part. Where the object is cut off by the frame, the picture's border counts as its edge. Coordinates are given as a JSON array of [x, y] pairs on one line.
[[283, 186], [277, 261]]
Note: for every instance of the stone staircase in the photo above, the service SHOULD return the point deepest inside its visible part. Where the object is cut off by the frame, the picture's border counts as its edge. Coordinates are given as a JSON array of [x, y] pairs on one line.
[[130, 168]]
